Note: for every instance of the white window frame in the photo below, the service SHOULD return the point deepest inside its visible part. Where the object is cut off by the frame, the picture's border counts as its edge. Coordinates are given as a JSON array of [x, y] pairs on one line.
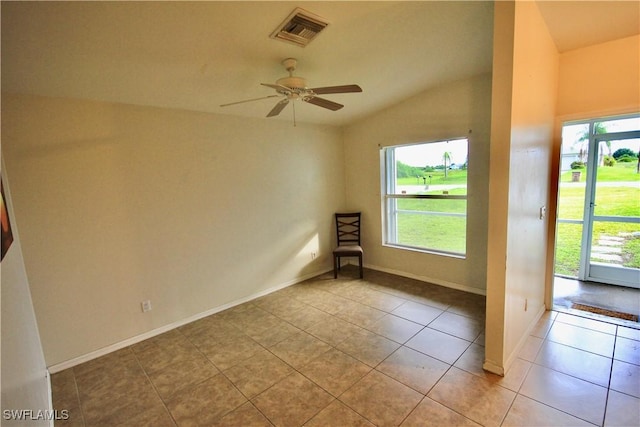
[[390, 196]]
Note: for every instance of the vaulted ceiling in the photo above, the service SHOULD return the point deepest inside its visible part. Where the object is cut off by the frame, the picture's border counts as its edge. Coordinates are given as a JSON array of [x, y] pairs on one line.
[[198, 55]]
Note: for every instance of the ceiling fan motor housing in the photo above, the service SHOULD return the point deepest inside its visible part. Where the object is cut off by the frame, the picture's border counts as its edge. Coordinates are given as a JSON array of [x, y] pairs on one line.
[[293, 82], [295, 88]]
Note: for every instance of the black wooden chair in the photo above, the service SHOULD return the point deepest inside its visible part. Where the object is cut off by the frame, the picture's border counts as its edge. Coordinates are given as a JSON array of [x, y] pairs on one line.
[[348, 240]]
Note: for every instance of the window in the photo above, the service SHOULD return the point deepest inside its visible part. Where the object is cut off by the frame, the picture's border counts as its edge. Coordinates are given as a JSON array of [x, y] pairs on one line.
[[425, 196]]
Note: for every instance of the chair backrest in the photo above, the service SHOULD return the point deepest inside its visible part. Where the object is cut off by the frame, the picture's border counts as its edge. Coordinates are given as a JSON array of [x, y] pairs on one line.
[[348, 228]]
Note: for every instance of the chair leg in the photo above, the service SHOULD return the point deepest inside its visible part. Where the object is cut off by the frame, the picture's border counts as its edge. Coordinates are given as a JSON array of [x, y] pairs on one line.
[[335, 267], [361, 270]]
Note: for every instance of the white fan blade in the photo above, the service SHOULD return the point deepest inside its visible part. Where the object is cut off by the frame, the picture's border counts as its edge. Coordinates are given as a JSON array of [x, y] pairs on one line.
[[249, 100], [279, 88]]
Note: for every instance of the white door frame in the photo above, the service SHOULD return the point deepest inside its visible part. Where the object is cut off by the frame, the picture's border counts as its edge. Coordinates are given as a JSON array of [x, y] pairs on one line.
[[601, 272]]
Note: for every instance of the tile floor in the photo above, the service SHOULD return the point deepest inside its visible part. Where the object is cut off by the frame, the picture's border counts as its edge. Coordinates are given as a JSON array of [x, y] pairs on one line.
[[383, 351]]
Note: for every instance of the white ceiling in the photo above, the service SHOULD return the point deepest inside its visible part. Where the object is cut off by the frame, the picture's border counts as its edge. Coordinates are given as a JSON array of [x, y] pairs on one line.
[[198, 55]]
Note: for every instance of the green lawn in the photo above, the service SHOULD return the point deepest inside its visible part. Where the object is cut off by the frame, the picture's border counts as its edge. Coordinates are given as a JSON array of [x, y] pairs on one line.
[[624, 171], [448, 232], [569, 238], [458, 176], [438, 232], [610, 201], [442, 233]]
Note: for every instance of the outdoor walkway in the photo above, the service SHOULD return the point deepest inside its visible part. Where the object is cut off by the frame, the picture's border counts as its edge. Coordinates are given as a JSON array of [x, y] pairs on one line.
[[633, 184], [608, 249]]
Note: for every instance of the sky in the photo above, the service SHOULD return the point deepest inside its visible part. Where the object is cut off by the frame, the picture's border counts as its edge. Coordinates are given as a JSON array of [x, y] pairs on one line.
[[431, 154], [572, 132]]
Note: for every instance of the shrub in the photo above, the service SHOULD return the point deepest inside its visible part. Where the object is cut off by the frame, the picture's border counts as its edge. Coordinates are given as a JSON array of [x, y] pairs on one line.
[[406, 171], [609, 161], [620, 152], [625, 158], [577, 165]]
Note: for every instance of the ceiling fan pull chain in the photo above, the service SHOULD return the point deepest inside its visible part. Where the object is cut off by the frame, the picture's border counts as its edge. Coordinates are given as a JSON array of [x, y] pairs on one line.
[[294, 113]]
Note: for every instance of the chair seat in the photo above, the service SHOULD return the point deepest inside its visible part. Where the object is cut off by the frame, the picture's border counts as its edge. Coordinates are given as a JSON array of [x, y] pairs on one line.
[[348, 250]]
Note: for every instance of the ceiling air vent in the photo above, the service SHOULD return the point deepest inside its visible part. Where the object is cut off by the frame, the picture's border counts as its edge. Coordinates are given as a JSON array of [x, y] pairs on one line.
[[300, 27]]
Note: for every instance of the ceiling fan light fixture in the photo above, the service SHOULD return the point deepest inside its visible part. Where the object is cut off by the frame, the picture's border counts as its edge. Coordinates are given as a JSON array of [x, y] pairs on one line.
[[300, 27]]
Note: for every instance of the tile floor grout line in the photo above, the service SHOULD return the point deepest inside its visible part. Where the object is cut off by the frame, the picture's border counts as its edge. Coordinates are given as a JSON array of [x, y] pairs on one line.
[[563, 373], [590, 329], [506, 413], [426, 396], [613, 356], [164, 405], [75, 383], [575, 348], [558, 409], [354, 409], [582, 350], [551, 320], [202, 381], [295, 371], [243, 395]]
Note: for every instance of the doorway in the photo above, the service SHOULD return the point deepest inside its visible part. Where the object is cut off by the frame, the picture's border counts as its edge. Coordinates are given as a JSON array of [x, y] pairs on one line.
[[598, 223]]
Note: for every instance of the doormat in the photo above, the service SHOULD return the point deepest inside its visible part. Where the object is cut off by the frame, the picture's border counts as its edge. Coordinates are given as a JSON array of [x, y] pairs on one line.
[[605, 312]]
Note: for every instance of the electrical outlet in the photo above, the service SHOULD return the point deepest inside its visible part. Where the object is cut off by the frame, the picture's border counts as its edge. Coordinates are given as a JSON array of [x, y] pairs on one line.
[[314, 255], [146, 305], [543, 212]]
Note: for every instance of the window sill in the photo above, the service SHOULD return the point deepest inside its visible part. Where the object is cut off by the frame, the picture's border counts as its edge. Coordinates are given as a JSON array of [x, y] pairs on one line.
[[456, 255]]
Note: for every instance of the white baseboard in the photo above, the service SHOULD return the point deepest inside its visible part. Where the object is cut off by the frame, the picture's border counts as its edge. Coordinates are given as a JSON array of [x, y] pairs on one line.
[[523, 339], [150, 334], [439, 282], [49, 394], [494, 367]]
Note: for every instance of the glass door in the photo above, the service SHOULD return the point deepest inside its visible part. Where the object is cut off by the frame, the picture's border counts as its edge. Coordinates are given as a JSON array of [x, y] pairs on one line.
[[598, 230], [613, 212]]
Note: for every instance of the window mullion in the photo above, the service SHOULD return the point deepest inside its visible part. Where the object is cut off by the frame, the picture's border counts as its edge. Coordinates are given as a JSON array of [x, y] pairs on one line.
[[414, 220]]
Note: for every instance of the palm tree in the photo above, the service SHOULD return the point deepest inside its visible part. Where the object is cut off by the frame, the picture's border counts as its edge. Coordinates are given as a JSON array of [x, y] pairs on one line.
[[446, 157], [583, 141]]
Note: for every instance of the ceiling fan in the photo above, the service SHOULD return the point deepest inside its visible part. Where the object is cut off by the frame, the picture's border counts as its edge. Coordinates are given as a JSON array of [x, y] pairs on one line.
[[293, 88]]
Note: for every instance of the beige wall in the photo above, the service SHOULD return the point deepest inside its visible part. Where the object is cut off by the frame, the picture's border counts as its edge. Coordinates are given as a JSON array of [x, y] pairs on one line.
[[457, 109], [193, 211], [600, 80], [595, 81], [24, 373], [524, 87], [499, 169], [122, 203]]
